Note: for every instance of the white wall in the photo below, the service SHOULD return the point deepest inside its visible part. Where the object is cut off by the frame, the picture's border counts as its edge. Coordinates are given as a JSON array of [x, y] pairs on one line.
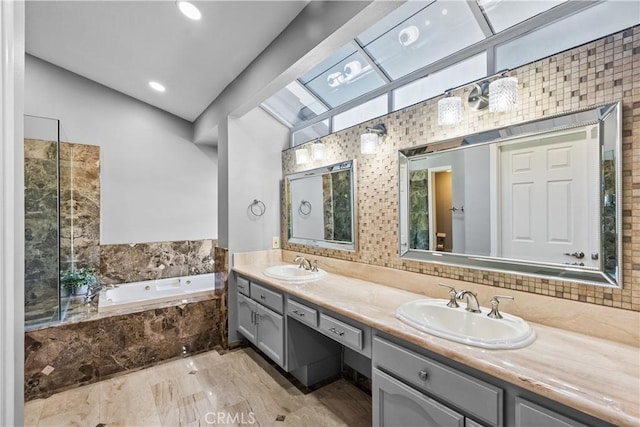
[[311, 225], [156, 184], [256, 141], [477, 201], [253, 144]]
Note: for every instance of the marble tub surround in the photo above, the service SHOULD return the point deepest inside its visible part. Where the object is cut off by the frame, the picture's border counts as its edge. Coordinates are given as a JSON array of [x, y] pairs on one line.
[[604, 71], [221, 256], [593, 375], [79, 311], [135, 262], [90, 351]]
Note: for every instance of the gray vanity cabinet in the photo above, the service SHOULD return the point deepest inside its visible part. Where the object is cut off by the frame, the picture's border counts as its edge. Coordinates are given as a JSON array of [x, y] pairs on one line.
[[530, 414], [406, 382], [270, 333], [260, 318], [397, 404], [246, 317]]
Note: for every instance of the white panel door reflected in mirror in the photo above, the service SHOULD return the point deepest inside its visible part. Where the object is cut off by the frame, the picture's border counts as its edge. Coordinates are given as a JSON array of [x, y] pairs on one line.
[[539, 198]]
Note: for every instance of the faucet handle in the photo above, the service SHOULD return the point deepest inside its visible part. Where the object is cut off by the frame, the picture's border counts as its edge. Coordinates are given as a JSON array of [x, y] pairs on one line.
[[495, 301], [452, 295], [315, 265]]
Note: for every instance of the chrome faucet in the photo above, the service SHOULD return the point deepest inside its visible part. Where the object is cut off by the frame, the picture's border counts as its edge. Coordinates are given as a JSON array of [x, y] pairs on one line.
[[495, 301], [472, 301], [452, 295], [302, 262], [93, 291]]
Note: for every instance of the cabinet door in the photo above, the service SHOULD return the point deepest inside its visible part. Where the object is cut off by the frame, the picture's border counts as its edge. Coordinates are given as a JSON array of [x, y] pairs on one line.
[[246, 324], [529, 414], [270, 334], [397, 404]]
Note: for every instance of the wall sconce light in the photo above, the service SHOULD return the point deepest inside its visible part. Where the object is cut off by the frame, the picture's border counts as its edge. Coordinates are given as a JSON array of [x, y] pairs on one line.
[[499, 95], [503, 94], [317, 150], [449, 110], [369, 139], [302, 156]]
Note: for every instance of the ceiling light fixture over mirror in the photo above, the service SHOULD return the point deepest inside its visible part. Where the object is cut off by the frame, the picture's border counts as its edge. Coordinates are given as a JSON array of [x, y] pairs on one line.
[[302, 156], [449, 110], [503, 94], [500, 95], [369, 140], [317, 150]]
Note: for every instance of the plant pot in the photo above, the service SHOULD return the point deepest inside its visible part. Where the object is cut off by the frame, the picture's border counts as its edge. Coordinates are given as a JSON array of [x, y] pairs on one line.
[[65, 292], [82, 290]]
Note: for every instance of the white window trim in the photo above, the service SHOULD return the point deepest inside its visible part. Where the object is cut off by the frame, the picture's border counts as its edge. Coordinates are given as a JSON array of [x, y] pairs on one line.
[[11, 213]]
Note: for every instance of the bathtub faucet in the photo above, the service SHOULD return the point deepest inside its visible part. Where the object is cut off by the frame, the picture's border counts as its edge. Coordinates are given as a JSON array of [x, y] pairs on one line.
[[93, 291]]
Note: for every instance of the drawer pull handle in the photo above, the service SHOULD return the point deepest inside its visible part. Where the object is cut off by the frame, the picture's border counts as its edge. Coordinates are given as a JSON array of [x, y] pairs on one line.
[[340, 333], [298, 313], [262, 297], [423, 375]]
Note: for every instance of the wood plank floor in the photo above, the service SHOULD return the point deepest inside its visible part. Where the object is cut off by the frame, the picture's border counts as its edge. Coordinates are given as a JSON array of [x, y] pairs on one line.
[[238, 388]]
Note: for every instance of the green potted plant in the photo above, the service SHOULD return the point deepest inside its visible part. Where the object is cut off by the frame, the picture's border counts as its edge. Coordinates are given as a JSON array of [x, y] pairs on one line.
[[77, 280]]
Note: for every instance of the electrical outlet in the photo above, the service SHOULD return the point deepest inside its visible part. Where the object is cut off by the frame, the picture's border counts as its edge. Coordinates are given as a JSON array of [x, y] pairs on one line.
[[275, 243]]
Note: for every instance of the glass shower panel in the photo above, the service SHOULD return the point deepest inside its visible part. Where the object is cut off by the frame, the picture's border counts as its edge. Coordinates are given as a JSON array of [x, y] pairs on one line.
[[41, 231]]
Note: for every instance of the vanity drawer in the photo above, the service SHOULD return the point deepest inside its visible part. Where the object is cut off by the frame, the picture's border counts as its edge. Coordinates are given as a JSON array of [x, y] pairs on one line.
[[480, 399], [267, 297], [302, 313], [341, 332], [242, 285]]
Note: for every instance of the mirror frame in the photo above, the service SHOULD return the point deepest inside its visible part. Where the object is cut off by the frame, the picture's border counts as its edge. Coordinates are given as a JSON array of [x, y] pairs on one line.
[[579, 118], [317, 243]]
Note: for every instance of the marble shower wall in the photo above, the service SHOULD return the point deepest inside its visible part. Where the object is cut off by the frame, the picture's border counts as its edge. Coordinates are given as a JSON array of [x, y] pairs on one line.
[[79, 206], [41, 230], [604, 71], [69, 355], [126, 263], [75, 168]]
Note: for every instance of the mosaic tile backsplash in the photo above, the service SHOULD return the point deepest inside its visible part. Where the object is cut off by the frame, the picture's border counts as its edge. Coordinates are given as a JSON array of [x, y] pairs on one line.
[[604, 71]]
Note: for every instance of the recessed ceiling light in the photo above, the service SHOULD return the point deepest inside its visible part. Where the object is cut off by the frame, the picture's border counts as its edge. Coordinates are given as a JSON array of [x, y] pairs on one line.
[[157, 86], [189, 10]]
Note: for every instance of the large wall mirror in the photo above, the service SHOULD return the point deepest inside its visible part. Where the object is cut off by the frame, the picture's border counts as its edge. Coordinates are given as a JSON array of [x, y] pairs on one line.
[[540, 198], [320, 206]]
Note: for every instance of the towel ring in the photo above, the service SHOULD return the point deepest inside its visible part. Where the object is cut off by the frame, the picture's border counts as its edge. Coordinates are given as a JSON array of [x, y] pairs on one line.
[[257, 208], [304, 208]]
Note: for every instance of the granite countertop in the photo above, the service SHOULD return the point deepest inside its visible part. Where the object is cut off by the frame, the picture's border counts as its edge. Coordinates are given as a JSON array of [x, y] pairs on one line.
[[596, 376]]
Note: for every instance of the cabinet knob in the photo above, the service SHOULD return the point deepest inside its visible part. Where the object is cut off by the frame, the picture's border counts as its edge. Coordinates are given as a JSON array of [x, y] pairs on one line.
[[263, 297], [335, 331], [423, 375]]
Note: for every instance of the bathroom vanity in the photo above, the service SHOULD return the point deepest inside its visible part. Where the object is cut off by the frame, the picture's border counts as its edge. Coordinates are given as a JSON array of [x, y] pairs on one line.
[[561, 379]]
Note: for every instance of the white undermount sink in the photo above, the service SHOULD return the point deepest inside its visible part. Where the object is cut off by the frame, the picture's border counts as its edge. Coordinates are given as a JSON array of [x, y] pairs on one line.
[[456, 324], [293, 273]]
